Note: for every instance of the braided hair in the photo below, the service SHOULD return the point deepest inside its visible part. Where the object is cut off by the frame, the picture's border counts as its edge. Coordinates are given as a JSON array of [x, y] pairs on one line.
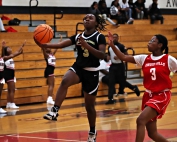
[[162, 39], [101, 23]]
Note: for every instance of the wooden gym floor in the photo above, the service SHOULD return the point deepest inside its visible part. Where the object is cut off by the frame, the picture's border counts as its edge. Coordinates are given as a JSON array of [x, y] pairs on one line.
[[115, 123]]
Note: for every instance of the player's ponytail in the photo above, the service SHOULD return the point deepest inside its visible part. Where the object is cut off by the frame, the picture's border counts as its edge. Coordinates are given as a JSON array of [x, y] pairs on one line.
[[162, 39], [101, 23], [166, 50]]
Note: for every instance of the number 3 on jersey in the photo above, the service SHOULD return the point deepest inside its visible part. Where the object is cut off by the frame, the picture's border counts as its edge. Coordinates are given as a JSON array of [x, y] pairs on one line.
[[153, 72], [86, 52]]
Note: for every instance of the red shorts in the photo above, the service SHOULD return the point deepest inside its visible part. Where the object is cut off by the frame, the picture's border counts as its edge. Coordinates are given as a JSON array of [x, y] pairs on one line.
[[158, 101]]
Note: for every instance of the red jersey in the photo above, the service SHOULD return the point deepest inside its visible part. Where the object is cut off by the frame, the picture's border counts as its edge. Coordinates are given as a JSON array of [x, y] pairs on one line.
[[156, 74]]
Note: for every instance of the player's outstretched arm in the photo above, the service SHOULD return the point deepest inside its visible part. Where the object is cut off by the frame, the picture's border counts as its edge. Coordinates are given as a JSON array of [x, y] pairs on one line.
[[119, 54], [18, 52], [62, 44]]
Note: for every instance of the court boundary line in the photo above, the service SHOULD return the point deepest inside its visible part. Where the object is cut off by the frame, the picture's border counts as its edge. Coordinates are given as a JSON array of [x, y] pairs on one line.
[[44, 138], [87, 124]]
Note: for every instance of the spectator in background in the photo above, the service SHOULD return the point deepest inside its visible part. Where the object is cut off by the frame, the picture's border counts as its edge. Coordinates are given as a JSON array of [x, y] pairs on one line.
[[132, 7], [139, 9], [117, 72], [155, 13], [116, 13], [94, 9], [104, 12], [100, 3], [2, 29], [127, 11]]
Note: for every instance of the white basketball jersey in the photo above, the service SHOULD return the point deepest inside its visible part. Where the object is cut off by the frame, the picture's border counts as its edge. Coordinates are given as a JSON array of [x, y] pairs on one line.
[[10, 64], [51, 60], [1, 64]]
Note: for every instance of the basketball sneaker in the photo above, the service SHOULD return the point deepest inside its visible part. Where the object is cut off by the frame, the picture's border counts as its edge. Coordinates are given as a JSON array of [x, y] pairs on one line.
[[2, 111], [13, 106], [52, 115], [92, 137], [50, 100], [8, 105]]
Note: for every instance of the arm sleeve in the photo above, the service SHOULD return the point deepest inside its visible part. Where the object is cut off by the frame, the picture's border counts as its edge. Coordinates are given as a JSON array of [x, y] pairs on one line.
[[172, 64], [139, 59], [101, 39], [73, 39]]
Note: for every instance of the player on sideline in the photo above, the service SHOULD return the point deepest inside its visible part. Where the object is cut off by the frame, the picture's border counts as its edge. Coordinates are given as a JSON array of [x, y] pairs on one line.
[[156, 69], [90, 47], [2, 81], [9, 72], [50, 59]]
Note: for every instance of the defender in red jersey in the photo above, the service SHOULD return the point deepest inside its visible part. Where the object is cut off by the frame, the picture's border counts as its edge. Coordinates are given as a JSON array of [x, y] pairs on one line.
[[156, 69]]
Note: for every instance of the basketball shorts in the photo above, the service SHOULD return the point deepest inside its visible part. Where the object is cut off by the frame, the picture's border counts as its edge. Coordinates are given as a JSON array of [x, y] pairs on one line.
[[89, 79], [158, 101], [9, 75], [49, 71]]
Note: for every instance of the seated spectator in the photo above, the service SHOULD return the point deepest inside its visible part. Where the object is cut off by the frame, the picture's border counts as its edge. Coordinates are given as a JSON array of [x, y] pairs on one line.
[[100, 3], [132, 7], [127, 11], [94, 9], [139, 9], [104, 12], [116, 13], [2, 29], [155, 13]]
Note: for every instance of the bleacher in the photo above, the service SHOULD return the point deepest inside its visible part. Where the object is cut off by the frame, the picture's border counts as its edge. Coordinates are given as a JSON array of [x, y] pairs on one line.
[[31, 85]]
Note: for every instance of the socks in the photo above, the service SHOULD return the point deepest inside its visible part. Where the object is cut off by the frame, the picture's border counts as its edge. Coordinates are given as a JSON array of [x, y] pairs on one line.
[[92, 129], [55, 108]]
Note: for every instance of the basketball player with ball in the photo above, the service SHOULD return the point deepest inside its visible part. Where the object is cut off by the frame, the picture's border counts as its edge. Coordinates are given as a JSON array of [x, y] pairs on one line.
[[156, 69], [91, 46]]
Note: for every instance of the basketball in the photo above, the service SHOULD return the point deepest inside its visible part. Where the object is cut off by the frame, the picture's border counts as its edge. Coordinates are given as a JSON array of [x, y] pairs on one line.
[[43, 33]]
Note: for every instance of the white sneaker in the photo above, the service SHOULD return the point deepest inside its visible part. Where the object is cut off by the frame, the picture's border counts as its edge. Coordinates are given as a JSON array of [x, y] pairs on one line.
[[2, 111], [92, 137], [50, 100], [8, 105], [13, 106], [130, 20]]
